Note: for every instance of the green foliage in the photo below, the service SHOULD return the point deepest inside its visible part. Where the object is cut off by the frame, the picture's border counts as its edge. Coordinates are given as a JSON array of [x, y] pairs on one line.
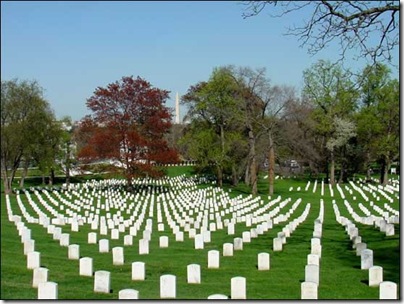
[[379, 117], [27, 127], [215, 114]]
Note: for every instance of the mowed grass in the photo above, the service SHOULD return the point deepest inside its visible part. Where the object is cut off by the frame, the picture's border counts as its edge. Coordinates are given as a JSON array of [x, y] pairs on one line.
[[340, 273]]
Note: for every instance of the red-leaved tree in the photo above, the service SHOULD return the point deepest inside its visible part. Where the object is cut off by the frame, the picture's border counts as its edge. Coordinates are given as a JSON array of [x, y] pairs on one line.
[[127, 126]]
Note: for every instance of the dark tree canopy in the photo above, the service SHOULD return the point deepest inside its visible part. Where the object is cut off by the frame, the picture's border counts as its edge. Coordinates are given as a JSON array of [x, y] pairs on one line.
[[370, 27]]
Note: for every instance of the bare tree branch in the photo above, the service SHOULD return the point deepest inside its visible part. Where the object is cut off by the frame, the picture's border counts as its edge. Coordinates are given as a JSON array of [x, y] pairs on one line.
[[370, 26]]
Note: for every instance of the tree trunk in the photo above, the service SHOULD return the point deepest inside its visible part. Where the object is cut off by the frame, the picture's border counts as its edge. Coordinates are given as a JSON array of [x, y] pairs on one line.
[[67, 178], [234, 175], [4, 176], [332, 169], [368, 176], [384, 172], [327, 171], [271, 166], [51, 177], [11, 179], [43, 179], [341, 174], [24, 174], [220, 166], [219, 176], [247, 174], [253, 161], [6, 182]]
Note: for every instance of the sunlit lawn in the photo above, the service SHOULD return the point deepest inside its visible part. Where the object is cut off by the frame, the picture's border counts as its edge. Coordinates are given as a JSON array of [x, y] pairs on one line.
[[340, 273]]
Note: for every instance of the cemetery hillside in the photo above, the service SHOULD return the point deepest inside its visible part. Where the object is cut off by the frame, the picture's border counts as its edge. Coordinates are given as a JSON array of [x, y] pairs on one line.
[[246, 189], [183, 237]]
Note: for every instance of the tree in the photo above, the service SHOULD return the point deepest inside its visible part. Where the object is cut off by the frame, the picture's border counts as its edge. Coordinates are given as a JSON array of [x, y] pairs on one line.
[[252, 90], [128, 126], [274, 106], [67, 146], [371, 27], [44, 152], [379, 118], [300, 138], [24, 117], [213, 105], [332, 93], [240, 106], [343, 131]]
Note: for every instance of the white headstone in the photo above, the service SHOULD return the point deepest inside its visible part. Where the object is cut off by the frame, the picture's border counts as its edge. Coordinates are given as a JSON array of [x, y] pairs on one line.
[[194, 274], [366, 259], [128, 240], [389, 229], [138, 271], [64, 239], [316, 249], [315, 241], [167, 286], [308, 290], [238, 244], [206, 236], [246, 235], [103, 245], [114, 234], [375, 276], [238, 288], [102, 281], [29, 246], [74, 226], [147, 234], [383, 224], [277, 244], [33, 260], [86, 267], [312, 273], [128, 294], [163, 241], [227, 249], [179, 236], [47, 291], [359, 248], [92, 238], [143, 246], [230, 229], [313, 259], [73, 252], [199, 241], [263, 261], [217, 296], [26, 235], [356, 240], [387, 290], [213, 258], [192, 233], [117, 256], [50, 229], [40, 275]]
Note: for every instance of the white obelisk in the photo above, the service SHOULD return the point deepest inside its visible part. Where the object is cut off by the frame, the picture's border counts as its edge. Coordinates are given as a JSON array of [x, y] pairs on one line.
[[177, 109]]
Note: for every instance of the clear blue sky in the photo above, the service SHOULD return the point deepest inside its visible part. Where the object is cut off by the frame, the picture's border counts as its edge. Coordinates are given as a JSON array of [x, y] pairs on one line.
[[71, 48]]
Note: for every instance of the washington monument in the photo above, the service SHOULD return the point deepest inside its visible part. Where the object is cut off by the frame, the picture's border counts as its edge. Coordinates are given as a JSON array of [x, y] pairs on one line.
[[177, 109]]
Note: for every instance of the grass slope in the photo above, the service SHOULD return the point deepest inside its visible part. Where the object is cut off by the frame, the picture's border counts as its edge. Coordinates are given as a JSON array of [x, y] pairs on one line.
[[340, 273]]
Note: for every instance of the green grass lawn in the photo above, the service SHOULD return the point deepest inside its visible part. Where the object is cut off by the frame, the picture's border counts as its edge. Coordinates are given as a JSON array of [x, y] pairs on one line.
[[340, 273]]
